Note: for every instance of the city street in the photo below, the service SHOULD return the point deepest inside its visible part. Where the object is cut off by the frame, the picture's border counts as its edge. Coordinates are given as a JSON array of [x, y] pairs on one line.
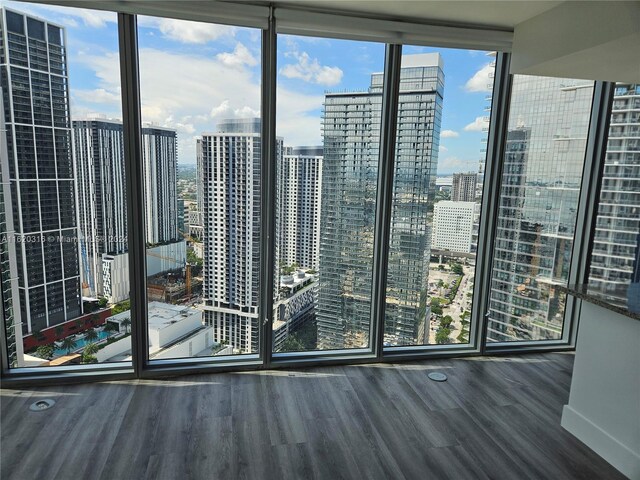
[[459, 304]]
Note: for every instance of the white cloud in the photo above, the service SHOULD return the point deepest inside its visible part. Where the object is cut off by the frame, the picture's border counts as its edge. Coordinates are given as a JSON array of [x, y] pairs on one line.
[[188, 32], [310, 70], [95, 18], [69, 22], [187, 128], [482, 80], [478, 125], [454, 164], [98, 95], [199, 92], [298, 117], [449, 134], [442, 149], [240, 56], [66, 15], [225, 110]]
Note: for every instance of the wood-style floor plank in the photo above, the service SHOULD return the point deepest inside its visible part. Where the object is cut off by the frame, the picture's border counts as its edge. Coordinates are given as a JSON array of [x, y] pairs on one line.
[[495, 418]]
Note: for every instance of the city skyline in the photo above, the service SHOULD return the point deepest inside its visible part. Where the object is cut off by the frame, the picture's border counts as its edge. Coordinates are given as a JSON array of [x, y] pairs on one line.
[[325, 204], [307, 66]]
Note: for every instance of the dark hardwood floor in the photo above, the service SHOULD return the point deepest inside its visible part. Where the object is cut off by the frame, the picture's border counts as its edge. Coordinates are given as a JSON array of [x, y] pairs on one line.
[[496, 418]]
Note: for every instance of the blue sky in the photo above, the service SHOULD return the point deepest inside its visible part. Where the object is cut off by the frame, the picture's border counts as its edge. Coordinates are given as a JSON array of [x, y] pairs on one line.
[[195, 74]]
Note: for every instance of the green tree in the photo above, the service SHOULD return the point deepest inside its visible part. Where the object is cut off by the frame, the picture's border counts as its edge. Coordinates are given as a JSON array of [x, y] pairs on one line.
[[59, 331], [442, 336], [446, 322], [91, 349], [38, 335], [436, 309], [110, 327], [457, 269], [89, 352], [102, 302], [291, 344], [193, 259], [91, 335], [69, 344], [45, 351], [126, 323], [121, 307], [440, 283]]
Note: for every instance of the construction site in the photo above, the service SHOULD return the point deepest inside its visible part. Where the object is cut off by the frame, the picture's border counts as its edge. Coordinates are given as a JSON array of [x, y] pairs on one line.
[[177, 286]]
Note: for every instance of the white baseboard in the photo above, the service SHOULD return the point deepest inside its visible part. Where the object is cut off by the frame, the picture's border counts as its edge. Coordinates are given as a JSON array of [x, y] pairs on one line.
[[621, 456]]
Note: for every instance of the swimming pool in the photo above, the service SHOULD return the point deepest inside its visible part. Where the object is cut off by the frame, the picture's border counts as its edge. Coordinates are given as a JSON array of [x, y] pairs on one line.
[[80, 344]]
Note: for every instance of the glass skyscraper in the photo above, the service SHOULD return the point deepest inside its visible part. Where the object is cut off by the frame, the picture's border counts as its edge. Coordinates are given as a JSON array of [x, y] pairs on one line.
[[617, 233], [349, 183], [542, 173], [35, 89]]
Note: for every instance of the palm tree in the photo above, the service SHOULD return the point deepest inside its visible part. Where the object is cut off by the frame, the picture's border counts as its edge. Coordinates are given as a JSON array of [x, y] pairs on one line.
[[38, 335], [91, 335], [69, 344], [90, 349], [126, 323], [59, 331], [88, 354], [110, 327], [45, 351]]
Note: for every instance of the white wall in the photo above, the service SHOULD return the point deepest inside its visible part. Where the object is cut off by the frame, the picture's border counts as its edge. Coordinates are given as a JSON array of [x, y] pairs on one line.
[[203, 340], [591, 40], [159, 259], [160, 335], [604, 403], [113, 349]]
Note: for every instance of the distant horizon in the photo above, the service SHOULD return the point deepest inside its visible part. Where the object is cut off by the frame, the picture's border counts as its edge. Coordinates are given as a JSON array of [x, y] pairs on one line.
[[439, 175]]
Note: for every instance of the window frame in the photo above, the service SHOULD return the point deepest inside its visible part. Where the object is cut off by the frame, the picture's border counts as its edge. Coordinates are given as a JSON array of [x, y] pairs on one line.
[[265, 18]]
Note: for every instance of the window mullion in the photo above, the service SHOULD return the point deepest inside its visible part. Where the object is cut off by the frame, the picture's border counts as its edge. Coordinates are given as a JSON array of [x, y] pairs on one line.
[[268, 197], [134, 175], [496, 140], [588, 203], [384, 197]]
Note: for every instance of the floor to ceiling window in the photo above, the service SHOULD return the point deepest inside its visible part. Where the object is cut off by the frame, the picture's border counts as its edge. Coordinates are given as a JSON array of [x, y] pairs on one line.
[[443, 119], [201, 148], [62, 199], [615, 255], [329, 102], [206, 187], [535, 222]]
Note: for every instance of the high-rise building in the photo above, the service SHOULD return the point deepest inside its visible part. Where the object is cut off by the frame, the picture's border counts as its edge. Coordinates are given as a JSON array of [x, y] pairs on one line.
[[40, 173], [99, 158], [463, 187], [231, 166], [160, 156], [8, 267], [617, 233], [453, 226], [542, 173], [299, 182], [349, 176], [196, 214]]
